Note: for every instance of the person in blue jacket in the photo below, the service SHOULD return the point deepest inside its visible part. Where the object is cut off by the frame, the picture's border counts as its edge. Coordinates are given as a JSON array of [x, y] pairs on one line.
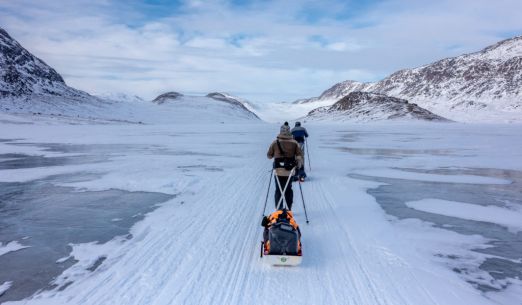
[[300, 134]]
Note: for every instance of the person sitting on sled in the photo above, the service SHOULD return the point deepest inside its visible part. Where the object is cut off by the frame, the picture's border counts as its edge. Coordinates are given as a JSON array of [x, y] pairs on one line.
[[299, 133], [285, 150], [273, 220]]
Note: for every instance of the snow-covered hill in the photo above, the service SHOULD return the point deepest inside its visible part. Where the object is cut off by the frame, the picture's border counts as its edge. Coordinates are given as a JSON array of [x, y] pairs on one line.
[[121, 97], [240, 102], [179, 108], [482, 86], [28, 86], [366, 106]]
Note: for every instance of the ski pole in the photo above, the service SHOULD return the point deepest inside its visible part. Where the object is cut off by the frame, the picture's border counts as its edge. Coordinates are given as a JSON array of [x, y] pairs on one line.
[[308, 156], [268, 191], [304, 206]]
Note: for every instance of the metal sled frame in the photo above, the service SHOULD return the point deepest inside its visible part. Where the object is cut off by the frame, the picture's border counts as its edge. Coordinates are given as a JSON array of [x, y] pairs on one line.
[[288, 181]]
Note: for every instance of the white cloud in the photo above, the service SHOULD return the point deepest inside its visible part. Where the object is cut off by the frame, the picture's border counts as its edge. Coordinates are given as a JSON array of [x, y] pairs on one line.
[[261, 51]]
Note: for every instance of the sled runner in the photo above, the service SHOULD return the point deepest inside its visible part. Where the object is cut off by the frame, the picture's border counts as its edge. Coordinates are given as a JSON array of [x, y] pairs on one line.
[[283, 260]]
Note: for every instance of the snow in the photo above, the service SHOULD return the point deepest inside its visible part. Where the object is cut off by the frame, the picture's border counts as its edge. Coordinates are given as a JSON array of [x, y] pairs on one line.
[[11, 247], [4, 287], [90, 110], [202, 247], [398, 174], [280, 112], [494, 214]]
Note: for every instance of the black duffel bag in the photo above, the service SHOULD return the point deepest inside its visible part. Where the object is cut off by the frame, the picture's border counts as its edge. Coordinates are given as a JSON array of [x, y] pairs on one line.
[[284, 162]]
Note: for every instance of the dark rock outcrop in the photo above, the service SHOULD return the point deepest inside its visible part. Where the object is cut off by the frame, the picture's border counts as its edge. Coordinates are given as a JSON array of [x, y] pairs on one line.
[[167, 96], [22, 73], [368, 106]]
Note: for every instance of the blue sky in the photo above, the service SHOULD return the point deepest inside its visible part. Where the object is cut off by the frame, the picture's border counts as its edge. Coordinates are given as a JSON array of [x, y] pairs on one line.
[[260, 50]]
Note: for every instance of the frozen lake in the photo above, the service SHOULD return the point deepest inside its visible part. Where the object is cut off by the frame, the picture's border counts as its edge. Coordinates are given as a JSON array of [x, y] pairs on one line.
[[504, 246], [46, 218], [400, 214]]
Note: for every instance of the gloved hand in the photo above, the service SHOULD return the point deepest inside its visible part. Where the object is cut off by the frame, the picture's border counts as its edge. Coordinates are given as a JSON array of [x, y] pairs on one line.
[[265, 221]]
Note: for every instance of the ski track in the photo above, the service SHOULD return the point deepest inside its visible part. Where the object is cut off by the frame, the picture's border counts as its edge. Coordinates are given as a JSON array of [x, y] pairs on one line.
[[206, 251]]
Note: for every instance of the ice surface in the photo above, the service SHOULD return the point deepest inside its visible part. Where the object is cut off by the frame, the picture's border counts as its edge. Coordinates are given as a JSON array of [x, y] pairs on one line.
[[363, 244], [51, 220], [397, 174], [502, 216]]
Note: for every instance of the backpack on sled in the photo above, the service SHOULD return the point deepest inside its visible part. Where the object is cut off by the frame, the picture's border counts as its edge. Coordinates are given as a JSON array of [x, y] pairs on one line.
[[281, 245]]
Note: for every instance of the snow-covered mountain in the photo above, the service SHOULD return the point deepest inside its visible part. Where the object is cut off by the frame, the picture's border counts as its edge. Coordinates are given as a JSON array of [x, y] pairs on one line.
[[482, 86], [336, 92], [29, 85], [24, 74], [367, 106]]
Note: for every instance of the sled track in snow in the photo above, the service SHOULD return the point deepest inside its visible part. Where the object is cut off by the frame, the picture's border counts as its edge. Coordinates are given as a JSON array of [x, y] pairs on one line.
[[206, 251], [351, 273]]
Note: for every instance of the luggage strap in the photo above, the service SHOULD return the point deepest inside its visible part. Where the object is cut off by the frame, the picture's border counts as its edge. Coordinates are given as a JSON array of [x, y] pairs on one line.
[[280, 148]]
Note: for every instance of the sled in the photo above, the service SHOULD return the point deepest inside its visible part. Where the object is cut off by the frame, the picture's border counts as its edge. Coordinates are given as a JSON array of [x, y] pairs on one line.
[[283, 239], [283, 260], [280, 259]]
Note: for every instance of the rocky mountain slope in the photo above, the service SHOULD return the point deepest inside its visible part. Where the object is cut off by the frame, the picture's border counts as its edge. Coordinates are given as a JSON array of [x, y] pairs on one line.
[[29, 85], [367, 106], [482, 86], [22, 73]]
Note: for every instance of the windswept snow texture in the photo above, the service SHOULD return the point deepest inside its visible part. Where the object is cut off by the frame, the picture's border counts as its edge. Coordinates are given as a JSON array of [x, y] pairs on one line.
[[363, 245]]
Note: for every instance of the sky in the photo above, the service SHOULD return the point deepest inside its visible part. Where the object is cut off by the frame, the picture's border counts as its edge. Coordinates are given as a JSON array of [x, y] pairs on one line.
[[264, 51]]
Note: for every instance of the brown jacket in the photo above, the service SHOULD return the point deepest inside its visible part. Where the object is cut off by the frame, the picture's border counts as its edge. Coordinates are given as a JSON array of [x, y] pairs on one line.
[[290, 147]]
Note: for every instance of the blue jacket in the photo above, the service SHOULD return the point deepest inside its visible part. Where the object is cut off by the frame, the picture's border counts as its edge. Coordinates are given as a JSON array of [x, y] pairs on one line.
[[299, 134]]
